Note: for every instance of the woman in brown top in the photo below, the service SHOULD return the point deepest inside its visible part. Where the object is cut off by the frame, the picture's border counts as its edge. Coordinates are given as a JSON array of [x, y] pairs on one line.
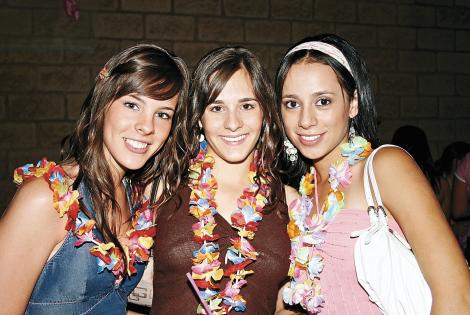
[[226, 226]]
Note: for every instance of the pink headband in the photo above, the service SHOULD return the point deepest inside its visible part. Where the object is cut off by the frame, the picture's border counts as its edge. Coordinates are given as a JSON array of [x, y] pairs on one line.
[[325, 48]]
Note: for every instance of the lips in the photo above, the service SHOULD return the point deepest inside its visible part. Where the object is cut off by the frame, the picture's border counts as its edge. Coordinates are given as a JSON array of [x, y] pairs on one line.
[[309, 139], [136, 146], [234, 140]]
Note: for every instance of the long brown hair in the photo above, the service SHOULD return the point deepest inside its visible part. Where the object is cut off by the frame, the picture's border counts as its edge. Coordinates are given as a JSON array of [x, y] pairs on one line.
[[210, 77], [147, 70]]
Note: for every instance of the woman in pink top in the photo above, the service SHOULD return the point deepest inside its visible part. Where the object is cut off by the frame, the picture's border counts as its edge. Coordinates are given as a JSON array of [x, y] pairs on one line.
[[325, 98]]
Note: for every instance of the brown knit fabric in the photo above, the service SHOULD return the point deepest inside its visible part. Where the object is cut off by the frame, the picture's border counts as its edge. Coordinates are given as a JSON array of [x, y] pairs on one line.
[[173, 252]]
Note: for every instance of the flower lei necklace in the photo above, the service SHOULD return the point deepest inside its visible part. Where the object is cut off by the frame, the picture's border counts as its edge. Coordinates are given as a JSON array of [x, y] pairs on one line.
[[65, 201], [206, 270], [305, 228]]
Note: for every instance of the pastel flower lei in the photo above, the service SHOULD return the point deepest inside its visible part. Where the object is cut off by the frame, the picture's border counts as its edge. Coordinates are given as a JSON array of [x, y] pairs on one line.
[[306, 228], [65, 201], [206, 269]]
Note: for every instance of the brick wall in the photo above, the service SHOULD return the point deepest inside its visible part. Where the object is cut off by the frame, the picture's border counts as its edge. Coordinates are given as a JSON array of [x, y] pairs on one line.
[[418, 52]]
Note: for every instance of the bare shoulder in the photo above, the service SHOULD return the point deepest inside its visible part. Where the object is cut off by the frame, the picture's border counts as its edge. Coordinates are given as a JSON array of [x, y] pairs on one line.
[[30, 229], [394, 163], [391, 156], [32, 208], [291, 194]]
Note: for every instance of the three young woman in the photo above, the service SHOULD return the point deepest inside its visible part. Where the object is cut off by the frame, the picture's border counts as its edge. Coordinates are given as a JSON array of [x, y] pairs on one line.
[[325, 99], [82, 230], [225, 225]]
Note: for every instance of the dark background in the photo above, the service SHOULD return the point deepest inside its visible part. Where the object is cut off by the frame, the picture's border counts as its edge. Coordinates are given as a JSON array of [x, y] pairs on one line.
[[418, 53]]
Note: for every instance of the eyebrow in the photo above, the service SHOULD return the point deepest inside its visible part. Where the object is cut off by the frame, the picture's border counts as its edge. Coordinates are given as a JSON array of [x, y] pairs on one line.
[[167, 108], [314, 94], [135, 96], [245, 99]]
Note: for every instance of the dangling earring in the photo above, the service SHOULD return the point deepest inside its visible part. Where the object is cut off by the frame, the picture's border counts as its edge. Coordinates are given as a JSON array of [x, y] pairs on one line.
[[351, 134], [291, 151], [202, 140]]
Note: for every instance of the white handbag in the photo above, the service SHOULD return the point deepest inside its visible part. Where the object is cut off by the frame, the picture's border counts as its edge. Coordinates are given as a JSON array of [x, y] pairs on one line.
[[385, 265]]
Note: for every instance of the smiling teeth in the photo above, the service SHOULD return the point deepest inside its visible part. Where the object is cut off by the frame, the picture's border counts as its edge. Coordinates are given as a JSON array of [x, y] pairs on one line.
[[234, 139], [136, 144], [310, 138]]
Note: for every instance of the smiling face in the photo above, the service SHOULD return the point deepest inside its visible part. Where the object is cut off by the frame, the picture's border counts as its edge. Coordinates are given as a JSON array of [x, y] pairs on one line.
[[315, 110], [232, 123], [135, 128]]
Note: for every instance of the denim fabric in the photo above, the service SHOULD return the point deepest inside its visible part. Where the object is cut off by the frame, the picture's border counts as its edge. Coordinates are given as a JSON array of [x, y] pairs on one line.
[[70, 283]]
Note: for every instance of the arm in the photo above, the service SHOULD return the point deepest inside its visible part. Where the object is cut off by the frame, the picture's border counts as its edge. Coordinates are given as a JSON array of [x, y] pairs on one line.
[[29, 230], [445, 196], [411, 201], [460, 209]]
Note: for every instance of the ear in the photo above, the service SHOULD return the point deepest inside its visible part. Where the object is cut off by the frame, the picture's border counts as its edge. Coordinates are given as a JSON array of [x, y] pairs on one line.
[[354, 105], [199, 123]]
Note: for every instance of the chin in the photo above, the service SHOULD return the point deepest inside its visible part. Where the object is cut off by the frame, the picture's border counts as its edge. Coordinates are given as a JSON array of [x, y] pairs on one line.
[[133, 165], [234, 156], [311, 153], [234, 159]]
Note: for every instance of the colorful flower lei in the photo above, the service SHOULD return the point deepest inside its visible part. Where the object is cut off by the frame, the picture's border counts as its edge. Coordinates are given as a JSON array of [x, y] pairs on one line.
[[306, 229], [65, 201], [206, 269]]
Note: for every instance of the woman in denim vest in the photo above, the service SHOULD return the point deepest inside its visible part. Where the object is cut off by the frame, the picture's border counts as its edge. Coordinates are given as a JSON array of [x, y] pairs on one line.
[[77, 235]]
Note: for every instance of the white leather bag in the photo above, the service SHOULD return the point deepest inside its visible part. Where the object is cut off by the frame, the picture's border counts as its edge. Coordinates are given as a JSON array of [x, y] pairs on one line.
[[385, 265]]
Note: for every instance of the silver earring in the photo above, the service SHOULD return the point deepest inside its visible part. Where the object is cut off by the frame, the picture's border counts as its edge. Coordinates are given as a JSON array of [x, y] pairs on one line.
[[291, 151], [351, 133]]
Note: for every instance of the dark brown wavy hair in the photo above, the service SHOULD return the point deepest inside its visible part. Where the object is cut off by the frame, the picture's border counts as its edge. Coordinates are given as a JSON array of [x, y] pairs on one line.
[[147, 70], [210, 77]]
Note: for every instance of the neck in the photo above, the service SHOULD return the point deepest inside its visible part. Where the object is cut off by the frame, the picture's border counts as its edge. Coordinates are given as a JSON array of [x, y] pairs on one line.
[[117, 177], [231, 172], [323, 164]]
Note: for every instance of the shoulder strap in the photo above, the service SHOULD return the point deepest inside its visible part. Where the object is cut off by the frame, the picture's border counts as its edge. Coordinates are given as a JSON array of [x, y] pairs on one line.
[[369, 179], [378, 217]]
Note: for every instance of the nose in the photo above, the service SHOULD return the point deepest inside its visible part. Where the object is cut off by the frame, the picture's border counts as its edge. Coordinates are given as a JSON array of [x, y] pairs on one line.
[[145, 124], [233, 120], [307, 117]]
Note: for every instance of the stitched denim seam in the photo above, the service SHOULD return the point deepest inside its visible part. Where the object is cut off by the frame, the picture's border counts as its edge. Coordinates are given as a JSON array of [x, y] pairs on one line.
[[69, 302], [98, 302]]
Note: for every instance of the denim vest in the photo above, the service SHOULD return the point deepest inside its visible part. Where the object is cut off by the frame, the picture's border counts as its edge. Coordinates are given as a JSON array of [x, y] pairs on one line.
[[71, 284]]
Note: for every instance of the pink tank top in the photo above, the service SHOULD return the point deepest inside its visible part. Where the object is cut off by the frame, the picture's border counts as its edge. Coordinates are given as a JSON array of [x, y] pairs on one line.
[[343, 294]]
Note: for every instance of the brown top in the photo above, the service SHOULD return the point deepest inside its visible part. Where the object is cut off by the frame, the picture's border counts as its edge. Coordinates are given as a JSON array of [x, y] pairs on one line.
[[174, 245]]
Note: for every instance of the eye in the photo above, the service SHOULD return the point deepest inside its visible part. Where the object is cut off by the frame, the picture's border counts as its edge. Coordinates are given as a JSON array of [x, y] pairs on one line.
[[163, 115], [131, 105], [323, 102], [291, 104], [215, 108], [247, 106]]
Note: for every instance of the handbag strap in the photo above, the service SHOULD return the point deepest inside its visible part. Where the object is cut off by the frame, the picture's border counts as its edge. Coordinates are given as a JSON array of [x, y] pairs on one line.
[[377, 215], [369, 180]]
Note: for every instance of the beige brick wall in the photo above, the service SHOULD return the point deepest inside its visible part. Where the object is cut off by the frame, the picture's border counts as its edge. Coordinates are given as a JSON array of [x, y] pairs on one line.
[[418, 52]]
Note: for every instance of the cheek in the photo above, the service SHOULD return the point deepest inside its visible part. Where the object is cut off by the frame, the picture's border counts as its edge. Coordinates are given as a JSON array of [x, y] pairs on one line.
[[163, 131], [255, 120], [211, 125], [289, 120]]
